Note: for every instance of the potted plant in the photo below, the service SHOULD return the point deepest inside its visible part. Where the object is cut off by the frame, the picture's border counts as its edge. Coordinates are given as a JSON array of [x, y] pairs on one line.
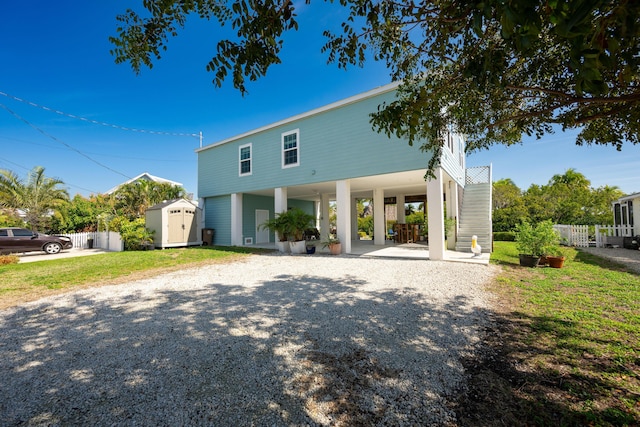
[[297, 222], [534, 242], [280, 226], [333, 243], [555, 257]]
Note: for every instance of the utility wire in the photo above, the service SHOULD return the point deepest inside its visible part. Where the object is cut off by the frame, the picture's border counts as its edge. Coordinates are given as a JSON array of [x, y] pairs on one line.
[[13, 113], [73, 116]]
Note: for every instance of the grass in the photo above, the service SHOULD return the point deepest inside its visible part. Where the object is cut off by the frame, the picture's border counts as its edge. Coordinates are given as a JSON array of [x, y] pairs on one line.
[[567, 344], [564, 350], [27, 282]]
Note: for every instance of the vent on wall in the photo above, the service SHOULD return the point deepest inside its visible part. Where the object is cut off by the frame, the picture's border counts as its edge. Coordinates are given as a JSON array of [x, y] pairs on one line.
[[248, 240]]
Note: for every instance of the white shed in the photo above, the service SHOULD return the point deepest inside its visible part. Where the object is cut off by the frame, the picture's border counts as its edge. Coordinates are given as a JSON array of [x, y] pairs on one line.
[[175, 222]]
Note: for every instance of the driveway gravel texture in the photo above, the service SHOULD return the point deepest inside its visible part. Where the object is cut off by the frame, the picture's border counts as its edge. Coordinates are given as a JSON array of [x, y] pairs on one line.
[[273, 340]]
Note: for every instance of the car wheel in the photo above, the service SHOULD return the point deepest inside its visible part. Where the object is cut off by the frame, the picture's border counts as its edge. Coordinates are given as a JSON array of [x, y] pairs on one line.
[[52, 248]]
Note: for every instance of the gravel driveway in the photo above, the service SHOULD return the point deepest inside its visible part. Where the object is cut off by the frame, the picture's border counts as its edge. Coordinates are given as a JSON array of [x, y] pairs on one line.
[[276, 340]]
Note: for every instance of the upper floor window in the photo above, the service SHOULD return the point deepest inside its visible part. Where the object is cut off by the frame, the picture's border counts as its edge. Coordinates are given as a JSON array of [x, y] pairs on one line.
[[291, 148], [245, 159]]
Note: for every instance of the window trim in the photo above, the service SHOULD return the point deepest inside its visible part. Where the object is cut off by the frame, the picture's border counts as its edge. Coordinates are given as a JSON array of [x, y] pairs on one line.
[[241, 160], [283, 151]]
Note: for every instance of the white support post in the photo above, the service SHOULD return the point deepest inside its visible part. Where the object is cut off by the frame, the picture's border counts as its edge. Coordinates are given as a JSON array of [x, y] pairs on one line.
[[324, 216], [379, 223], [236, 219], [343, 200], [400, 209], [452, 212], [354, 218], [435, 210], [279, 203]]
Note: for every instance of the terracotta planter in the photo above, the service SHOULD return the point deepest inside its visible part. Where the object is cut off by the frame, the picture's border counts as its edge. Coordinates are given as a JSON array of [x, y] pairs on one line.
[[335, 248], [529, 260], [555, 261]]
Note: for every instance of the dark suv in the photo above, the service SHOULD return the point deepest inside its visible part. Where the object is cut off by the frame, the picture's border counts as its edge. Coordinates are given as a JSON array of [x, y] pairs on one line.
[[15, 240]]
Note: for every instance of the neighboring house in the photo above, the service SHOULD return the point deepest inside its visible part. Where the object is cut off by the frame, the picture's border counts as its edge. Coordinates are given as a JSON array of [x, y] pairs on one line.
[[145, 176], [331, 154], [624, 210]]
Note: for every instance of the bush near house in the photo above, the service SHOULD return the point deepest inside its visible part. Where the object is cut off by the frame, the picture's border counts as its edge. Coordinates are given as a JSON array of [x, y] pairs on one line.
[[504, 236]]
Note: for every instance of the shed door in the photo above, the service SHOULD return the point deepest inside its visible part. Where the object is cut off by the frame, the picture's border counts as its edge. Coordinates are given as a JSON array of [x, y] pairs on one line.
[[176, 225], [182, 227], [190, 225]]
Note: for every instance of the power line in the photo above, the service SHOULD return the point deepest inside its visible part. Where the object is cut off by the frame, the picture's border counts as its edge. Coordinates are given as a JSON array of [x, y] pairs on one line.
[[97, 122], [13, 113]]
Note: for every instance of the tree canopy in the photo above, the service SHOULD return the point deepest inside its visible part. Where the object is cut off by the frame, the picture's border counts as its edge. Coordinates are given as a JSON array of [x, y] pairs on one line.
[[492, 69], [38, 196]]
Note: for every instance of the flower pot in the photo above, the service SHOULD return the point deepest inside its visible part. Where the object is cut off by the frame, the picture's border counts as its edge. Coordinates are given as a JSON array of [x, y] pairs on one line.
[[311, 250], [335, 248], [555, 261], [298, 247], [529, 260], [283, 246]]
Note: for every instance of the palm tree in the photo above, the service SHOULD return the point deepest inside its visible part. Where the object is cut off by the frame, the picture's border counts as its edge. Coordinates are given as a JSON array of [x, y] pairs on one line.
[[38, 197], [134, 198]]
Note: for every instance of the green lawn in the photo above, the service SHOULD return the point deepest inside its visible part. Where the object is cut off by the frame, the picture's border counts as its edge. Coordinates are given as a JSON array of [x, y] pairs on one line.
[[575, 332], [29, 281]]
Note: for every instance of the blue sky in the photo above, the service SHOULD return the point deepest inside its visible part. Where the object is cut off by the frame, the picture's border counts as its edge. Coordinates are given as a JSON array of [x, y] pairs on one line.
[[56, 54]]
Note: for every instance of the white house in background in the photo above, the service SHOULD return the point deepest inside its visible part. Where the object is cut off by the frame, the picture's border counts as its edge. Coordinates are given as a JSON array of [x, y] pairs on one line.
[[332, 154], [624, 211], [145, 176]]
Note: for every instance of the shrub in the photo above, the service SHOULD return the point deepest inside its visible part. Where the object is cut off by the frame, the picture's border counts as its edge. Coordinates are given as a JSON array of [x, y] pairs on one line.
[[135, 235], [504, 236], [9, 259]]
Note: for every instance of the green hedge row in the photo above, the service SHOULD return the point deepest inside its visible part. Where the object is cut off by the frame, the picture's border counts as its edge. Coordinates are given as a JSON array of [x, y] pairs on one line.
[[504, 236]]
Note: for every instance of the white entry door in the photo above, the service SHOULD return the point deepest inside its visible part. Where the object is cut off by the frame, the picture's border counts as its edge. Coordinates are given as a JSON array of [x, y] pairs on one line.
[[262, 234]]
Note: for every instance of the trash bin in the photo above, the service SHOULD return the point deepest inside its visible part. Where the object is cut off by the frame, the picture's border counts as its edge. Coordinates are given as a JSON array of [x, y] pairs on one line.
[[90, 243], [207, 236]]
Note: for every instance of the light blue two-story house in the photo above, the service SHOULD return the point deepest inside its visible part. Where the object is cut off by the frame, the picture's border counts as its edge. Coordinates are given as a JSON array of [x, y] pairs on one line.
[[332, 154]]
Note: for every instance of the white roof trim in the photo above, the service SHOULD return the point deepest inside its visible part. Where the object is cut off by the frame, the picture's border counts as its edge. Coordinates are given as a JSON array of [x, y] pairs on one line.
[[629, 197], [379, 90], [150, 178]]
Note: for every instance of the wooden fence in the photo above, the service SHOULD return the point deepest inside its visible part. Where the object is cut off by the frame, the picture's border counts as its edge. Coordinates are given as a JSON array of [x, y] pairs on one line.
[[109, 241]]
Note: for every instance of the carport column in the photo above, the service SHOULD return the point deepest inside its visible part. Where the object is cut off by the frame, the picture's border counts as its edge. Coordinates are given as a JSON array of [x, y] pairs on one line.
[[435, 212], [324, 216], [400, 209], [343, 200], [379, 226], [279, 202], [236, 219], [452, 212]]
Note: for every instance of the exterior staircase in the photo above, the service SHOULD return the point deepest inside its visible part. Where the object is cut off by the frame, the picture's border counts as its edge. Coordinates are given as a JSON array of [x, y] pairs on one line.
[[475, 215]]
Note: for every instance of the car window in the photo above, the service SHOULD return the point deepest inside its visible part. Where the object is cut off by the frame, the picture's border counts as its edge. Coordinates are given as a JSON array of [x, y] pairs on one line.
[[4, 233], [21, 232]]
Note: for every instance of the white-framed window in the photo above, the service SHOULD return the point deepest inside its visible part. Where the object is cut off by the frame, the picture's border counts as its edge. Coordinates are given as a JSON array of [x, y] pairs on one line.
[[291, 148], [244, 159]]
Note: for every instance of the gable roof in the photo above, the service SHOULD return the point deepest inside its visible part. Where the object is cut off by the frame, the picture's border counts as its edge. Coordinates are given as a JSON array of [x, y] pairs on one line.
[[145, 176]]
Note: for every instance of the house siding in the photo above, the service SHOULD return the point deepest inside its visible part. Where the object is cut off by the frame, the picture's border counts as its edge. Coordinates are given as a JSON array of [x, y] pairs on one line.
[[252, 202], [336, 144], [217, 213]]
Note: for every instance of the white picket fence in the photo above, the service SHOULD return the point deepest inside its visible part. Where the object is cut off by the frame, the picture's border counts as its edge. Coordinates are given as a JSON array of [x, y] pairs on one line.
[[612, 234], [109, 241], [573, 235], [578, 235]]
